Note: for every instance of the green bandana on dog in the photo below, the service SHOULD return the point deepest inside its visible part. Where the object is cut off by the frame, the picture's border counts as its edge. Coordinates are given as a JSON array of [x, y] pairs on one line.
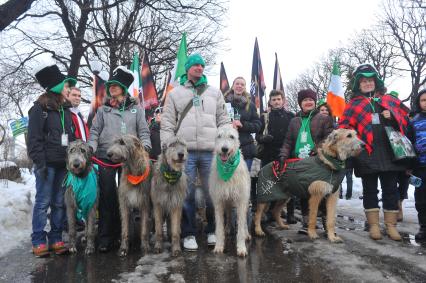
[[227, 169], [84, 191], [171, 176]]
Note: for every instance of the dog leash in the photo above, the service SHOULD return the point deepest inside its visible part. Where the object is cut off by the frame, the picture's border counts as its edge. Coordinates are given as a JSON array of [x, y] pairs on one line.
[[277, 171], [104, 164]]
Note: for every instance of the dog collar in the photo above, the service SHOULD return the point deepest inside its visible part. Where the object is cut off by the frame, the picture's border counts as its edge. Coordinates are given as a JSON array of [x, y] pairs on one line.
[[227, 169], [136, 180], [171, 176], [337, 164]]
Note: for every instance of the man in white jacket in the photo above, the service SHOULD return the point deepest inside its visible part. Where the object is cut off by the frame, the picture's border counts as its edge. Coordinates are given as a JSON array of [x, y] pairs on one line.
[[198, 127]]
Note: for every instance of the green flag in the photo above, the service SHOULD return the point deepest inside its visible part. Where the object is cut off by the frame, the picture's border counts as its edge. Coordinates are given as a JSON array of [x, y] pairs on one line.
[[181, 58]]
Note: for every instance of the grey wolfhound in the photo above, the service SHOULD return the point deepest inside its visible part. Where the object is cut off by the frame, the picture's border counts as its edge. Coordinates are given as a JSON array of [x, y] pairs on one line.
[[315, 177], [168, 191], [135, 184], [229, 186], [81, 195]]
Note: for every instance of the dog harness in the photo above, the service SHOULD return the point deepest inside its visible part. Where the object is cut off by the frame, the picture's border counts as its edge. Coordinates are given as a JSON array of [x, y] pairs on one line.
[[136, 180], [171, 176], [227, 169], [85, 191]]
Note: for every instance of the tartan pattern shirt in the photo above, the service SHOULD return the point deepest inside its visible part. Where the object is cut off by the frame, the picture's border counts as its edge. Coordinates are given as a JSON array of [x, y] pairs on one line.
[[357, 116]]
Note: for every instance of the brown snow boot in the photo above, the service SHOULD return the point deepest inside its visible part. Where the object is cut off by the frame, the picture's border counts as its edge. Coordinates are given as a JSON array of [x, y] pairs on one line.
[[400, 214], [372, 215], [390, 222]]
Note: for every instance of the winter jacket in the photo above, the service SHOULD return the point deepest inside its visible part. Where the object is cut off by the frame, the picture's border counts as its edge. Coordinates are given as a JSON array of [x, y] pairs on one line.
[[380, 159], [200, 124], [250, 121], [45, 135], [279, 121], [321, 126], [417, 133], [80, 126], [108, 122]]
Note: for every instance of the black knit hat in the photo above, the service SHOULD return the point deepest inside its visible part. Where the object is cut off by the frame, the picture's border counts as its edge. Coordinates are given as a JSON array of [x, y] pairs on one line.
[[122, 77], [50, 77], [306, 93]]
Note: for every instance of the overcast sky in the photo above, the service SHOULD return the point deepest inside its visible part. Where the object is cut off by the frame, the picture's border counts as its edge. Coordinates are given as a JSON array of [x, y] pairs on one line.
[[299, 31]]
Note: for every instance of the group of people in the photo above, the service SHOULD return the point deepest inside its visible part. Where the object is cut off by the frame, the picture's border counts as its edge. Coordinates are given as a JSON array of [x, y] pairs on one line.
[[195, 110]]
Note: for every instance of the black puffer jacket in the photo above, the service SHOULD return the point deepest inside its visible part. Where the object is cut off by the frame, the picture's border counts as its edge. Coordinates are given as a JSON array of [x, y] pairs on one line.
[[380, 160], [45, 133], [250, 121], [279, 120]]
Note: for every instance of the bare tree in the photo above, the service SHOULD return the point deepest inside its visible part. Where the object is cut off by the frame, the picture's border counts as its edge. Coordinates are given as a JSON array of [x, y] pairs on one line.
[[11, 10], [405, 21]]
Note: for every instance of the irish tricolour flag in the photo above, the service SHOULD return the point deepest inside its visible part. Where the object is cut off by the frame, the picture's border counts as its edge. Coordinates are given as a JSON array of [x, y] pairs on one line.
[[336, 94]]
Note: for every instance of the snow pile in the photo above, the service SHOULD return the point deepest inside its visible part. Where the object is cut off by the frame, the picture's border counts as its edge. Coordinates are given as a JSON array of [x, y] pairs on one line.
[[6, 164], [16, 204]]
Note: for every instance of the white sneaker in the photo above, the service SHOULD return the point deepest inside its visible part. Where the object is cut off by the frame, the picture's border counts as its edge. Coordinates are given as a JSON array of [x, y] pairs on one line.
[[189, 243], [211, 239]]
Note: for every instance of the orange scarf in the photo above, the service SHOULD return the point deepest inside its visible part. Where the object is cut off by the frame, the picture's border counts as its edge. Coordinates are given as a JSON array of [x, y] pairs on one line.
[[135, 180]]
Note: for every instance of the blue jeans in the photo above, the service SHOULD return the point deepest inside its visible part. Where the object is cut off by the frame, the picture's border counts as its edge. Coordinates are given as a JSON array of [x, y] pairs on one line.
[[49, 194], [198, 161]]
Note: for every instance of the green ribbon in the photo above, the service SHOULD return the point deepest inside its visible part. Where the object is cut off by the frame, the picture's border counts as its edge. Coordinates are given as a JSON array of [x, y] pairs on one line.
[[171, 176], [227, 169], [85, 191]]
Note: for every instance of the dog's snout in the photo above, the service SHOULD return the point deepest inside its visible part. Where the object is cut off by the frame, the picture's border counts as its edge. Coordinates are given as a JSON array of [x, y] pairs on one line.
[[109, 154], [181, 155], [76, 164], [224, 149]]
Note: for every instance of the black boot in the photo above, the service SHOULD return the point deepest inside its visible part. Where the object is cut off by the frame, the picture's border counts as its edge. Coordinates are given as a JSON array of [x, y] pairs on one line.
[[304, 229], [421, 235], [290, 212]]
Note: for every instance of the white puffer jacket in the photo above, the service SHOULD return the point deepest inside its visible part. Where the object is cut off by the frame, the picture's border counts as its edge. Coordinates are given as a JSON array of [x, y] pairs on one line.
[[200, 124]]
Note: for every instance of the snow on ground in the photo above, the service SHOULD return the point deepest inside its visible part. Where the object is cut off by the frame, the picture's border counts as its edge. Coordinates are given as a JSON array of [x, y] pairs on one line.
[[17, 199], [5, 164], [16, 204]]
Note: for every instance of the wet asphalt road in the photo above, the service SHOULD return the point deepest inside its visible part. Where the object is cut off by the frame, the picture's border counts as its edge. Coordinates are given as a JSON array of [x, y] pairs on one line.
[[282, 256]]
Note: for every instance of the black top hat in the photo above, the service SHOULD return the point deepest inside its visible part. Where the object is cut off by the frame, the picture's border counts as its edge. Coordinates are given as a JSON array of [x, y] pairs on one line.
[[122, 77], [50, 76]]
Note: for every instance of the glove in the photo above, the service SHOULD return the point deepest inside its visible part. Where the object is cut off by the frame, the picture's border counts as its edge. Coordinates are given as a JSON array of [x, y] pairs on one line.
[[41, 170], [266, 138]]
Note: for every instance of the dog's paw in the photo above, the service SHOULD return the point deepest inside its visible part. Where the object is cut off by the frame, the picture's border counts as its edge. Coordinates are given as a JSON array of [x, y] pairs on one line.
[[158, 248], [144, 248], [312, 234], [335, 239], [242, 251], [89, 250], [218, 249], [283, 226], [72, 249], [122, 251], [259, 232], [176, 251], [248, 237]]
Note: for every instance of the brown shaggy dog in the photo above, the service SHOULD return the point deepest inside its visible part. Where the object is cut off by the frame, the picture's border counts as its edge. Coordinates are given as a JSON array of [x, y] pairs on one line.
[[134, 188], [300, 179]]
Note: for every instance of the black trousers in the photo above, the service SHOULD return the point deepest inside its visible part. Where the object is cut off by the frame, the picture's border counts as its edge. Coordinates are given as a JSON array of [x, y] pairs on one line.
[[390, 194], [109, 214], [420, 196]]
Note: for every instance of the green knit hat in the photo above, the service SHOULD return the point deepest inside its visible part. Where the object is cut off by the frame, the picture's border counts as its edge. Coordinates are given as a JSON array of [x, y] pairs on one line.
[[321, 102], [194, 59], [394, 93]]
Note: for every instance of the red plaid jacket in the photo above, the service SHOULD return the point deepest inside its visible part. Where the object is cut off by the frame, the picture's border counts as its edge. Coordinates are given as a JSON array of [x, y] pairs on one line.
[[357, 116]]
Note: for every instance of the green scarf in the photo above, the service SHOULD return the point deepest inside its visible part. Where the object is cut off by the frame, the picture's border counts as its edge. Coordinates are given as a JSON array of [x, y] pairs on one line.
[[227, 169], [85, 191], [338, 164], [304, 142], [171, 176], [202, 80]]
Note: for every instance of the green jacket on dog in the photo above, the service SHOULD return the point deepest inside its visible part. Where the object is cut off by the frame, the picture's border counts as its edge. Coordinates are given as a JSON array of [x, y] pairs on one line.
[[296, 179]]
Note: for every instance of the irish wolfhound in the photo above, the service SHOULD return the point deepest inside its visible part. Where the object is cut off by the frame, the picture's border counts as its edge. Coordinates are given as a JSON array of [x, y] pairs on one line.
[[135, 184], [81, 195], [168, 191], [314, 177], [229, 186]]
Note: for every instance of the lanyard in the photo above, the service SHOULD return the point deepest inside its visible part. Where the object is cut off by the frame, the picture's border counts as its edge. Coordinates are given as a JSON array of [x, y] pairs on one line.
[[62, 114], [375, 99], [305, 122]]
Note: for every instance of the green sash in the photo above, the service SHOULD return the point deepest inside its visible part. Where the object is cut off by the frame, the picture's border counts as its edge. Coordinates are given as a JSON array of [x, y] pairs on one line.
[[304, 142]]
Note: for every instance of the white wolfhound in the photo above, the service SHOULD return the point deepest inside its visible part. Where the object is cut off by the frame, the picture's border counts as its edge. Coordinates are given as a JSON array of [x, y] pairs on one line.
[[229, 186]]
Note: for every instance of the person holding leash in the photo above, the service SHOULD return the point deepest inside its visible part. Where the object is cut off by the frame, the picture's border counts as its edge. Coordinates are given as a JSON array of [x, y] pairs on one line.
[[305, 133], [120, 115], [195, 110], [49, 133], [368, 112]]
